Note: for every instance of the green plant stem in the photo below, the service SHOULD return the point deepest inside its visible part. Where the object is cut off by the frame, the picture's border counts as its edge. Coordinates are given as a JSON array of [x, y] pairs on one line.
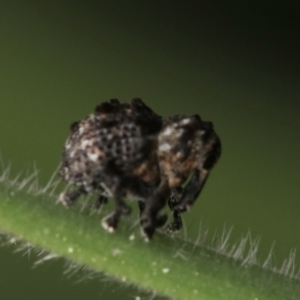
[[169, 266]]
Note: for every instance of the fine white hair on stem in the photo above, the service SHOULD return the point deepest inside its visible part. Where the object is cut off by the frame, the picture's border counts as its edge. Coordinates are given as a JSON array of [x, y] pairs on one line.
[[27, 180], [51, 183], [47, 257], [134, 224], [237, 251], [201, 237], [288, 267], [16, 179], [25, 248], [34, 187], [152, 296], [5, 173], [88, 274], [184, 230], [71, 269], [181, 253], [223, 242], [251, 257], [267, 264], [84, 204], [41, 252]]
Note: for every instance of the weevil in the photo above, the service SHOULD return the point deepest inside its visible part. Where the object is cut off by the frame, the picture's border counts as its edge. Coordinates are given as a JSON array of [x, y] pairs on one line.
[[126, 150]]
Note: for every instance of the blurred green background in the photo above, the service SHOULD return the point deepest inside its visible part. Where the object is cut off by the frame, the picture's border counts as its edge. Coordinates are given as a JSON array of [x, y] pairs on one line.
[[235, 63]]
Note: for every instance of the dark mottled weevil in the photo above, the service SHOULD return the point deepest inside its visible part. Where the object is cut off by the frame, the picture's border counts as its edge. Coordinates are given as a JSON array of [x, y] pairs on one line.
[[126, 150]]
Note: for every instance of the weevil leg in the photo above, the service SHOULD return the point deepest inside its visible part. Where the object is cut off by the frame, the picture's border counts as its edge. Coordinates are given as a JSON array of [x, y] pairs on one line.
[[176, 225], [150, 220], [173, 200], [191, 191], [141, 205], [99, 202], [111, 221], [68, 199], [174, 197], [159, 222]]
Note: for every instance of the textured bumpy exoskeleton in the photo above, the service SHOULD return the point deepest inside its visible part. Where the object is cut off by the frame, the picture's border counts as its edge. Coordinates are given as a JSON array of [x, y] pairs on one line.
[[127, 150]]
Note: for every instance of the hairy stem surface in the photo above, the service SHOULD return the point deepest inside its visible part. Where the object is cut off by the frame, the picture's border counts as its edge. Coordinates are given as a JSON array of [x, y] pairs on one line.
[[167, 266]]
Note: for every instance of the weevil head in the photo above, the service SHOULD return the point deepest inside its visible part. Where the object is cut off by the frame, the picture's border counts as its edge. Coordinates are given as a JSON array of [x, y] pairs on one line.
[[184, 145]]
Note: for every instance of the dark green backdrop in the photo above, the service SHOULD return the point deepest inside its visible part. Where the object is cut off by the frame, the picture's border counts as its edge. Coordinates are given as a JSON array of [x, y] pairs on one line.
[[236, 64]]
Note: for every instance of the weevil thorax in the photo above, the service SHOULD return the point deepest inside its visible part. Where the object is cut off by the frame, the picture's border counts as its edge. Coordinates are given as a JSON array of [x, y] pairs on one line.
[[126, 150]]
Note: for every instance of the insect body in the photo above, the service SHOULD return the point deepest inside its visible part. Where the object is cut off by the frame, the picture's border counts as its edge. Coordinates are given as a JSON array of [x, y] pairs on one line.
[[127, 150]]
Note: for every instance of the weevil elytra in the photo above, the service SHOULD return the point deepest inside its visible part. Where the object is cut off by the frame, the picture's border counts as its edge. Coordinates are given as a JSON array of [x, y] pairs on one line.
[[127, 150]]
